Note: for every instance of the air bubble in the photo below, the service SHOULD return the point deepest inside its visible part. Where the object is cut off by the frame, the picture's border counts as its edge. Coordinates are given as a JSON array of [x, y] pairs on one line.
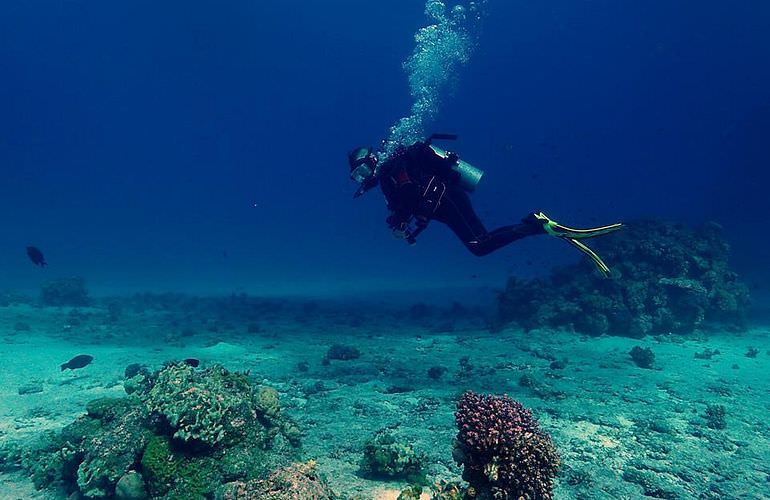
[[441, 48]]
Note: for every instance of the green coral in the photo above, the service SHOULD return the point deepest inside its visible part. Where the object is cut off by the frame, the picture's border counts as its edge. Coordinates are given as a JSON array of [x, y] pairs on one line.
[[266, 401], [211, 407], [216, 407], [187, 431], [108, 408], [139, 383], [91, 453], [113, 450], [291, 431], [75, 433], [174, 475], [385, 456], [48, 460], [410, 493], [247, 461]]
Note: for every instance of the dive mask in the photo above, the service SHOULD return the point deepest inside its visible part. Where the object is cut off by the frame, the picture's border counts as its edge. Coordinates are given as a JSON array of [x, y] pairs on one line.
[[362, 168], [361, 173]]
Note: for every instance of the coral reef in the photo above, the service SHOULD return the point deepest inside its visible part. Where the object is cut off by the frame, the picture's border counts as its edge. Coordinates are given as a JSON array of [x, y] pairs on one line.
[[643, 358], [130, 487], [436, 372], [112, 452], [8, 298], [298, 481], [171, 472], [707, 353], [386, 456], [715, 417], [211, 407], [92, 453], [342, 353], [65, 292], [447, 490], [180, 434], [504, 453], [668, 278], [410, 493]]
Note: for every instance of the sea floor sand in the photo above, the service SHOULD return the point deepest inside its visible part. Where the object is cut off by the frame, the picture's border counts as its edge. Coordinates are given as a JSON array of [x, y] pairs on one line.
[[622, 431]]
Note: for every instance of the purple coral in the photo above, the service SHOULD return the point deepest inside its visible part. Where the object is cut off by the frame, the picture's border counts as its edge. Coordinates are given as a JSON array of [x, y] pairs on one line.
[[504, 453]]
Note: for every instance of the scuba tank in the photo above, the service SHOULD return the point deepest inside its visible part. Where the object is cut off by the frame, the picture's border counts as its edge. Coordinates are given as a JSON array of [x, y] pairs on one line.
[[469, 175]]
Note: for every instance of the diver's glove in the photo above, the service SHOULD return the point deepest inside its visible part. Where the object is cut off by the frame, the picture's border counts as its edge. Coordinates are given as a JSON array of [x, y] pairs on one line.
[[401, 232], [572, 235], [405, 231]]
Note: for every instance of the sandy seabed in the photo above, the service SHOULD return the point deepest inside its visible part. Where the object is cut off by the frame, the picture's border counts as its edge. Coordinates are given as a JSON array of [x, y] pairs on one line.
[[622, 431]]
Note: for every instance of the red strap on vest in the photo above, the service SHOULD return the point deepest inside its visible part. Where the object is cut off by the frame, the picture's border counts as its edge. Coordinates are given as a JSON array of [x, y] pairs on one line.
[[402, 177]]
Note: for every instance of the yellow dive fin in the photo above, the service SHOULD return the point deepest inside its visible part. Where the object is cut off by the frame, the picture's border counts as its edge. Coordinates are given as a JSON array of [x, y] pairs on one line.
[[555, 229], [572, 235], [600, 265]]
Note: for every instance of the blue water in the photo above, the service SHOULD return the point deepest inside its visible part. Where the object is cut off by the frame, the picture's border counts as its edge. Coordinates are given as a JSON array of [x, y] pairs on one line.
[[202, 145]]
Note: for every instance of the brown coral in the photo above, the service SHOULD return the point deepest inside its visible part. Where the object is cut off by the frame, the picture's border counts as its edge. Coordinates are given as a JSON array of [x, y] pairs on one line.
[[503, 450]]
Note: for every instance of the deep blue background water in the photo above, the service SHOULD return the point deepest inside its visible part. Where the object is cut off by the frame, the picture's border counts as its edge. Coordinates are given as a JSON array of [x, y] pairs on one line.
[[201, 145]]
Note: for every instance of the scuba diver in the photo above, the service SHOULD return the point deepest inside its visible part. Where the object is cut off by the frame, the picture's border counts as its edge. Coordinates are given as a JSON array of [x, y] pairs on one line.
[[422, 182]]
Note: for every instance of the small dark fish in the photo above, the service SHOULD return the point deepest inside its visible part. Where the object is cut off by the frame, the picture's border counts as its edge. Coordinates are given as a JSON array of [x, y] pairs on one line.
[[192, 362], [36, 256], [78, 361]]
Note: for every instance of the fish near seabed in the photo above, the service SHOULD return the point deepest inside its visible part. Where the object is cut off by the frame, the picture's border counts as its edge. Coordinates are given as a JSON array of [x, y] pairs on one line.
[[36, 256], [78, 361]]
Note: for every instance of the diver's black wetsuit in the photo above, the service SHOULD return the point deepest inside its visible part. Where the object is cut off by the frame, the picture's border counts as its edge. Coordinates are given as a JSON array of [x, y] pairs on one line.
[[404, 179]]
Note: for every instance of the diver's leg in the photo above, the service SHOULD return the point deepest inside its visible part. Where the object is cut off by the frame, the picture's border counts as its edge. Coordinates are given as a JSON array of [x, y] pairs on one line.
[[457, 212]]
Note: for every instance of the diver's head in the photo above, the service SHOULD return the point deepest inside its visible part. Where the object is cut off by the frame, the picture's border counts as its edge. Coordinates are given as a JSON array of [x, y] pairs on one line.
[[363, 163]]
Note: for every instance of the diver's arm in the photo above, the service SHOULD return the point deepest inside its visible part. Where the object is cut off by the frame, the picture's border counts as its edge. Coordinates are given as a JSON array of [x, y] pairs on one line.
[[403, 229], [394, 202]]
